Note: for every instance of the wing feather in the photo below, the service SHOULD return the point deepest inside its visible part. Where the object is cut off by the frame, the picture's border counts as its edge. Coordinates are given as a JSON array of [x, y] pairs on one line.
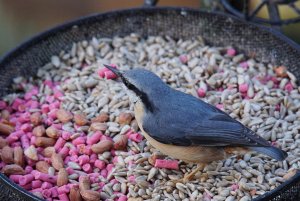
[[194, 122]]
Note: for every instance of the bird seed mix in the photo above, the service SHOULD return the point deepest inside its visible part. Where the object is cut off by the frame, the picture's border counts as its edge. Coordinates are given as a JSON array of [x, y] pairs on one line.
[[69, 132]]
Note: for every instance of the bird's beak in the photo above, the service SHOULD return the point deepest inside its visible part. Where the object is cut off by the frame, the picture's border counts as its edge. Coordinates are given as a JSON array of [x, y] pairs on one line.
[[114, 70]]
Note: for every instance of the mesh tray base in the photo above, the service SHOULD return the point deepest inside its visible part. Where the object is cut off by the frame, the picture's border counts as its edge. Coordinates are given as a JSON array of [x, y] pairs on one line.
[[216, 29]]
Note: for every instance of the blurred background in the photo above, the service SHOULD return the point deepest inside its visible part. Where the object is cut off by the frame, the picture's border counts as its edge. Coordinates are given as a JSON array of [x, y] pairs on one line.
[[20, 20]]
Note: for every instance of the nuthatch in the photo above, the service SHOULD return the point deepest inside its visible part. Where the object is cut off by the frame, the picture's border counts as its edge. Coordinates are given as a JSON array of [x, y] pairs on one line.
[[185, 127]]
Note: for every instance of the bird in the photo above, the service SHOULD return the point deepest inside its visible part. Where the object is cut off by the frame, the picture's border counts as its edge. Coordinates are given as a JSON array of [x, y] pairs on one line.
[[185, 127]]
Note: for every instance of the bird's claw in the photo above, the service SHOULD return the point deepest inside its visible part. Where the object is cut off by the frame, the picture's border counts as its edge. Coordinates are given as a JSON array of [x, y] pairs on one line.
[[187, 178]]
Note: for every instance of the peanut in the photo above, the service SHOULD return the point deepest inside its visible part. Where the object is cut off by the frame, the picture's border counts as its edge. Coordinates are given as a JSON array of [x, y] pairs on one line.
[[6, 129], [3, 142], [281, 71], [64, 116], [90, 195], [84, 183], [42, 166], [62, 177], [120, 142], [19, 156], [102, 117], [75, 194], [96, 126], [52, 132], [102, 146], [80, 119], [36, 118], [39, 131], [7, 155], [5, 114], [125, 118], [48, 151], [57, 161], [13, 169], [44, 141]]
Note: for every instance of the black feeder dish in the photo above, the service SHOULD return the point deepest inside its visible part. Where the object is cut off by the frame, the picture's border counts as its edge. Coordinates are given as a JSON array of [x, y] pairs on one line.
[[217, 29]]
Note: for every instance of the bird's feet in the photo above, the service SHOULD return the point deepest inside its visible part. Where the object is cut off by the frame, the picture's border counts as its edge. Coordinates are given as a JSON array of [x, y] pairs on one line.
[[186, 178], [190, 176]]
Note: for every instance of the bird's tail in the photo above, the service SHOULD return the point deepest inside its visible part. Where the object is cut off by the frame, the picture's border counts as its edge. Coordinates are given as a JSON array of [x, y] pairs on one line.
[[273, 152]]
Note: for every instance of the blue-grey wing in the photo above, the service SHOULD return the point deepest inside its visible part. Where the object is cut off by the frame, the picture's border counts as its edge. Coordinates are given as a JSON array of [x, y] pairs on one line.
[[198, 123]]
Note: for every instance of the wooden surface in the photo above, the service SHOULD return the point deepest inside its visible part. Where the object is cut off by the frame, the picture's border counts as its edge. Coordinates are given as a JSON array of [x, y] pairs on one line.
[[22, 19]]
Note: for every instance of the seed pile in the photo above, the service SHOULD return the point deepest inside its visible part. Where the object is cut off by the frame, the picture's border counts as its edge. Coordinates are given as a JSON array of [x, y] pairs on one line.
[[70, 133]]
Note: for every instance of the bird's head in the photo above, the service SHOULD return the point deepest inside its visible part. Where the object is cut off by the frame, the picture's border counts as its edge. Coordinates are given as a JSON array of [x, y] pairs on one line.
[[143, 83]]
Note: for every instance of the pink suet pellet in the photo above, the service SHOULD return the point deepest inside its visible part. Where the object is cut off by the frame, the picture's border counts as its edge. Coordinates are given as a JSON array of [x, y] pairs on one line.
[[231, 52], [168, 164]]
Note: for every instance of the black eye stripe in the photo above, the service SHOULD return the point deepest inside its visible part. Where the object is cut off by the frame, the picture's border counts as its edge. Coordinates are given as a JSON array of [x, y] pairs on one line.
[[143, 96]]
